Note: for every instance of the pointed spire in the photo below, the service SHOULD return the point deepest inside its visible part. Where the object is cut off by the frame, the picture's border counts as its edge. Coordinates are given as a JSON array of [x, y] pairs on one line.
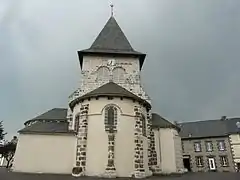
[[112, 38]]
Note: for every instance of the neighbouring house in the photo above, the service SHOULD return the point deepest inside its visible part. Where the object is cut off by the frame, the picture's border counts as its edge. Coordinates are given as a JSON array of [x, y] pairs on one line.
[[233, 129], [106, 130], [206, 146], [168, 150]]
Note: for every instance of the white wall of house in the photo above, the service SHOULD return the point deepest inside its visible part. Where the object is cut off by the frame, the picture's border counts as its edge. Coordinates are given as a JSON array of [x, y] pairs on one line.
[[37, 153], [178, 151], [235, 144], [167, 154], [97, 139]]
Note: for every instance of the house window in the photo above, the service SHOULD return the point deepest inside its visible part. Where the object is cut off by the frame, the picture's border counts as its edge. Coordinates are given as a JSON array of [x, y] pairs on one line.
[[110, 118], [221, 146], [224, 161], [197, 147], [143, 119], [209, 146], [76, 124], [183, 150], [103, 74], [118, 75], [199, 161]]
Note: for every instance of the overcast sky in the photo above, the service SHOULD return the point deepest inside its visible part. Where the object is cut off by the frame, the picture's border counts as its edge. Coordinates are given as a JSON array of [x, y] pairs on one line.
[[192, 69]]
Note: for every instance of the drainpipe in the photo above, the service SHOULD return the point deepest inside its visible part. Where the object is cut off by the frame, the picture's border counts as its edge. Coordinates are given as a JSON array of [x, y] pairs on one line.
[[159, 146]]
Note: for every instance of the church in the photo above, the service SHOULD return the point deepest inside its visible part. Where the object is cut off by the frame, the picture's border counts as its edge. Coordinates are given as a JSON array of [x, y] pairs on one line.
[[108, 128]]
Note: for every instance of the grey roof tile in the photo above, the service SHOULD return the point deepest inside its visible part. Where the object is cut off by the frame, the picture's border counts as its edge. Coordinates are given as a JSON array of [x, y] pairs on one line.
[[112, 40], [53, 114], [52, 127], [231, 124], [109, 89], [159, 122], [198, 129]]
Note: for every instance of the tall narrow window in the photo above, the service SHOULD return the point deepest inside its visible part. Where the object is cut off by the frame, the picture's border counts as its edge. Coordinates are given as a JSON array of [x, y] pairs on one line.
[[76, 123], [144, 125], [221, 145], [110, 118], [209, 146], [103, 74], [224, 161], [199, 161], [197, 147], [118, 75]]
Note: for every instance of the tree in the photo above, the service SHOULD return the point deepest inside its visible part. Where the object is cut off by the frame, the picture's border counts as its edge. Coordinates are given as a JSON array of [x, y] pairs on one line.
[[2, 134], [8, 150]]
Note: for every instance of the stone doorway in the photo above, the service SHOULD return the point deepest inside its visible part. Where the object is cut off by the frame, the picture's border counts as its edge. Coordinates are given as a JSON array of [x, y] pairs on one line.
[[187, 163]]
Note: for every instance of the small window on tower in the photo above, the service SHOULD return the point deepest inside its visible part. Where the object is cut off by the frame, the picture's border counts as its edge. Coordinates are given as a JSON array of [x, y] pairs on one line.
[[110, 118], [118, 75], [103, 74], [144, 129], [76, 123]]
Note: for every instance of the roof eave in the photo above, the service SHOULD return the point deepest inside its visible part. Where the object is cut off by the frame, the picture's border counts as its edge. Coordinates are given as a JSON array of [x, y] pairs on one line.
[[47, 120], [203, 137], [141, 56], [77, 100], [164, 127], [48, 133]]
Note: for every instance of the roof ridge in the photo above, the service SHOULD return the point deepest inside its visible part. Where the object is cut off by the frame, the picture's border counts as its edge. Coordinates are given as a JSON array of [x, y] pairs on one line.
[[110, 89], [201, 121]]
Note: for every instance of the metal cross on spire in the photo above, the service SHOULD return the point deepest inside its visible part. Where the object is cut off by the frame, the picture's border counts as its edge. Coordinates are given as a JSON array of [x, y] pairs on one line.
[[111, 9]]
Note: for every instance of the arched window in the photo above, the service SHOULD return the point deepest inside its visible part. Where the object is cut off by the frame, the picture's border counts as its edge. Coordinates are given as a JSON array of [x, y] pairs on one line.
[[144, 125], [118, 75], [110, 119], [103, 74], [76, 123]]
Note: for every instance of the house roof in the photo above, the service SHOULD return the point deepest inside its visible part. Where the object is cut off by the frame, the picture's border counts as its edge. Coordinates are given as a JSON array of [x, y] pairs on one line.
[[159, 122], [232, 125], [51, 127], [110, 89], [111, 41], [199, 129], [53, 114]]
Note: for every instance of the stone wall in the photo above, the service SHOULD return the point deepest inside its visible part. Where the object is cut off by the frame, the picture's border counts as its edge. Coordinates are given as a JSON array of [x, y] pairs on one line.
[[188, 150], [131, 78], [80, 166]]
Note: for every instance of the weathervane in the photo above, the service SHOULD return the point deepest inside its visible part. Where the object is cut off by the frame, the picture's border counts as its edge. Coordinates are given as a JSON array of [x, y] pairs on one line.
[[111, 9]]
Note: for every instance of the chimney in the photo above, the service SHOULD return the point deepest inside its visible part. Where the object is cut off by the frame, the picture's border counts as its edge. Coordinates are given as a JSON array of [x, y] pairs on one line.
[[224, 118]]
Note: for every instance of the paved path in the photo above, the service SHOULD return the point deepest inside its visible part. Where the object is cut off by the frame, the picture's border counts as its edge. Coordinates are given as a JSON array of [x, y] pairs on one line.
[[4, 175]]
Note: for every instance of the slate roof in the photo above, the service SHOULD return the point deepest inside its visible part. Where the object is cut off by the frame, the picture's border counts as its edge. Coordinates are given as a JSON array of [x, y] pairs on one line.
[[112, 38], [111, 41], [231, 125], [111, 90], [52, 127], [159, 122], [53, 114], [199, 129]]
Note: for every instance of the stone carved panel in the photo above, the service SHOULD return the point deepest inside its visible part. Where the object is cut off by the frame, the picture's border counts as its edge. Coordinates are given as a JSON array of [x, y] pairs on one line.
[[110, 121], [80, 163], [138, 136]]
